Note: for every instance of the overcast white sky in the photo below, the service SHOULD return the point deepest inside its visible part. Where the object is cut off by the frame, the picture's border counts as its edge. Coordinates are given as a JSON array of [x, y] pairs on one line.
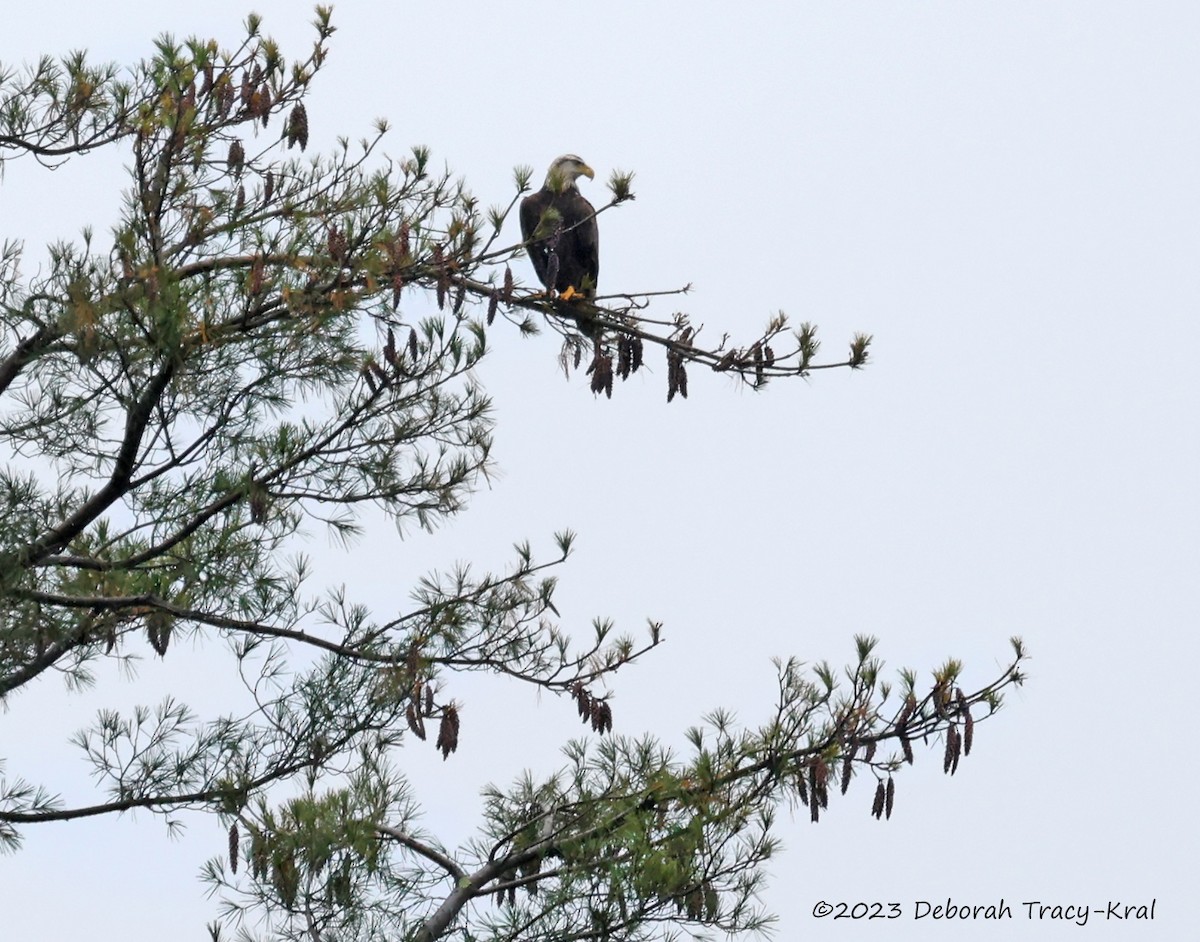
[[1007, 195]]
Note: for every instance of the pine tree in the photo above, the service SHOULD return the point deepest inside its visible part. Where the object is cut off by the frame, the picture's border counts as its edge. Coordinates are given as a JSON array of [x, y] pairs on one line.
[[233, 361]]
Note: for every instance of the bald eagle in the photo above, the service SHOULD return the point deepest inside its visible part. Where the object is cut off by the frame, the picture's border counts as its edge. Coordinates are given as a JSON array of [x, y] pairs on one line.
[[559, 226]]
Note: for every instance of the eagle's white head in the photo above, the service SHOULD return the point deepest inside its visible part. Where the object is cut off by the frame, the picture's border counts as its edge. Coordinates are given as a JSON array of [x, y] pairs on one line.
[[565, 170]]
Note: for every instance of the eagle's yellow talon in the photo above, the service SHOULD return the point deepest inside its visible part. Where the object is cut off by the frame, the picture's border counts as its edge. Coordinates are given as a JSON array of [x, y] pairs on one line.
[[568, 294]]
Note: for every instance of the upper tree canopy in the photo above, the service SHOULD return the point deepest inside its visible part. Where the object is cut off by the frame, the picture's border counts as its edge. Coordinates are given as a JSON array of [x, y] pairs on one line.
[[179, 396]]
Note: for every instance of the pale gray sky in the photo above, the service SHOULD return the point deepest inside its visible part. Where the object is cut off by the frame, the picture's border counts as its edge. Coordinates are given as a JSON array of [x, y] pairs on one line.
[[1008, 197]]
